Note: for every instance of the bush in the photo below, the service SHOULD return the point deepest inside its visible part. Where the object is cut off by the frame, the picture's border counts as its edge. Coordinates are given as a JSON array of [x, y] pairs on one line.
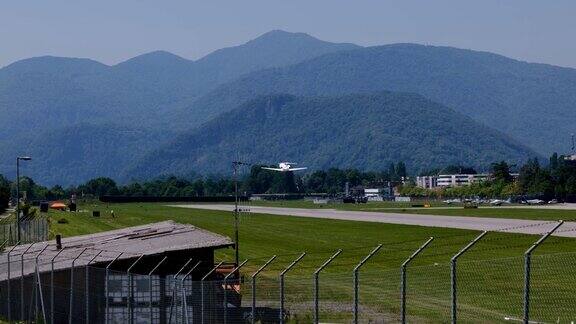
[[63, 221]]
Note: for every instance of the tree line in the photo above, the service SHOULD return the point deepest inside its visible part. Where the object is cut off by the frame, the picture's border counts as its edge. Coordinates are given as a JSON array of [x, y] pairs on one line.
[[253, 181], [557, 179], [4, 193]]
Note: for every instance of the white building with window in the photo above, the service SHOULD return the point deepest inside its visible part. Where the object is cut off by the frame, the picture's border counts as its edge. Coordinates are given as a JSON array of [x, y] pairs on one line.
[[458, 180], [450, 180], [427, 182]]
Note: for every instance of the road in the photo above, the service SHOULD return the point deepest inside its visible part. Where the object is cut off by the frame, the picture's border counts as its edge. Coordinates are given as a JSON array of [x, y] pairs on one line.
[[471, 223]]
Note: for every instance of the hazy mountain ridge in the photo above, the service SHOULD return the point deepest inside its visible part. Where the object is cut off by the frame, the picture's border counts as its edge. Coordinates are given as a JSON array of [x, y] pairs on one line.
[[77, 153], [531, 102], [366, 131], [49, 100], [257, 54], [45, 96], [148, 87]]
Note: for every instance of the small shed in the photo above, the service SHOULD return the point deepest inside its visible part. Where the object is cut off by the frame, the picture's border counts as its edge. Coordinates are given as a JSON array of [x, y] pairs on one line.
[[87, 277]]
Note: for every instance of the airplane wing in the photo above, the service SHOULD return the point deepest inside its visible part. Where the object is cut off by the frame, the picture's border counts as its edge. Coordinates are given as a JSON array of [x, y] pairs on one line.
[[273, 169], [296, 169]]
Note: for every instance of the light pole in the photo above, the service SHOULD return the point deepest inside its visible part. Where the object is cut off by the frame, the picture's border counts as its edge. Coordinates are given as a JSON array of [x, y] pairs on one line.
[[236, 165], [23, 158]]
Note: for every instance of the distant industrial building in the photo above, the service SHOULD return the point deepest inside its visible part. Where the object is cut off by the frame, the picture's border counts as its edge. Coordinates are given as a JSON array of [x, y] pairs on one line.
[[458, 180], [454, 180], [427, 182], [571, 157], [450, 180], [378, 194]]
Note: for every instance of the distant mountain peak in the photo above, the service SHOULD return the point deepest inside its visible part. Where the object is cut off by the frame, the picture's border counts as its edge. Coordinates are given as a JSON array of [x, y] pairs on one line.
[[55, 64], [278, 35], [154, 58], [158, 54]]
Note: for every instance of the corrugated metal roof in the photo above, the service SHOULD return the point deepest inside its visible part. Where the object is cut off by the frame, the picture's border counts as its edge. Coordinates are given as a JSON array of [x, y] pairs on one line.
[[150, 239]]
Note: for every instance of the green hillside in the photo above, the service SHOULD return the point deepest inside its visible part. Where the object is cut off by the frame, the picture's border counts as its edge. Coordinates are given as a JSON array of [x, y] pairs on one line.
[[46, 100], [530, 102], [160, 95], [363, 131], [85, 151]]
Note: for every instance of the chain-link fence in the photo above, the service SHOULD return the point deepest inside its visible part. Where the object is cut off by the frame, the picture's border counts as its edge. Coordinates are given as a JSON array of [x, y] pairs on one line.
[[488, 291], [32, 230], [289, 290]]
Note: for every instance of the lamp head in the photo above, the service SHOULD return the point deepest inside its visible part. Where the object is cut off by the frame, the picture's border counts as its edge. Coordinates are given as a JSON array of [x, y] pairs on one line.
[[24, 158]]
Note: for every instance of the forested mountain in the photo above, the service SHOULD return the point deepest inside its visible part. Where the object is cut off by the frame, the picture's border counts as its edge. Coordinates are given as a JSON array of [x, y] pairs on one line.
[[533, 103], [82, 119], [76, 153], [273, 49], [53, 91], [182, 80], [44, 98], [367, 131]]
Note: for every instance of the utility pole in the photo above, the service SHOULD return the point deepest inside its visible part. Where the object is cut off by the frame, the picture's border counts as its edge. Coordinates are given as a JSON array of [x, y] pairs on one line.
[[236, 165], [23, 158]]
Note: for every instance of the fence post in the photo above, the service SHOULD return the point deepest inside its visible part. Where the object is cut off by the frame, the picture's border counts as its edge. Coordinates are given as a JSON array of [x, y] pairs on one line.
[[202, 286], [150, 287], [41, 296], [72, 285], [527, 264], [52, 285], [87, 288], [356, 269], [453, 274], [174, 287], [403, 279], [254, 275], [317, 286], [107, 292], [184, 301], [131, 290], [225, 281], [9, 304], [282, 274], [36, 282], [22, 281]]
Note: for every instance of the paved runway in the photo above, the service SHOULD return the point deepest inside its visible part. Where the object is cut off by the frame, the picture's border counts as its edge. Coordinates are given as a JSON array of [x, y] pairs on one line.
[[471, 223]]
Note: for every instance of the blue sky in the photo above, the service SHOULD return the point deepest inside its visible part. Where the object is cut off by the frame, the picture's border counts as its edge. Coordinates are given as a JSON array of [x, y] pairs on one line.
[[111, 31]]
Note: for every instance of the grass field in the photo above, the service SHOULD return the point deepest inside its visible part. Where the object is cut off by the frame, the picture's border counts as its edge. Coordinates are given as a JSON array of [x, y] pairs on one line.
[[490, 274]]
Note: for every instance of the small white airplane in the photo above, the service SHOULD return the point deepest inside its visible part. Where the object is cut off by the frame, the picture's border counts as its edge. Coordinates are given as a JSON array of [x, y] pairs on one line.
[[285, 167]]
